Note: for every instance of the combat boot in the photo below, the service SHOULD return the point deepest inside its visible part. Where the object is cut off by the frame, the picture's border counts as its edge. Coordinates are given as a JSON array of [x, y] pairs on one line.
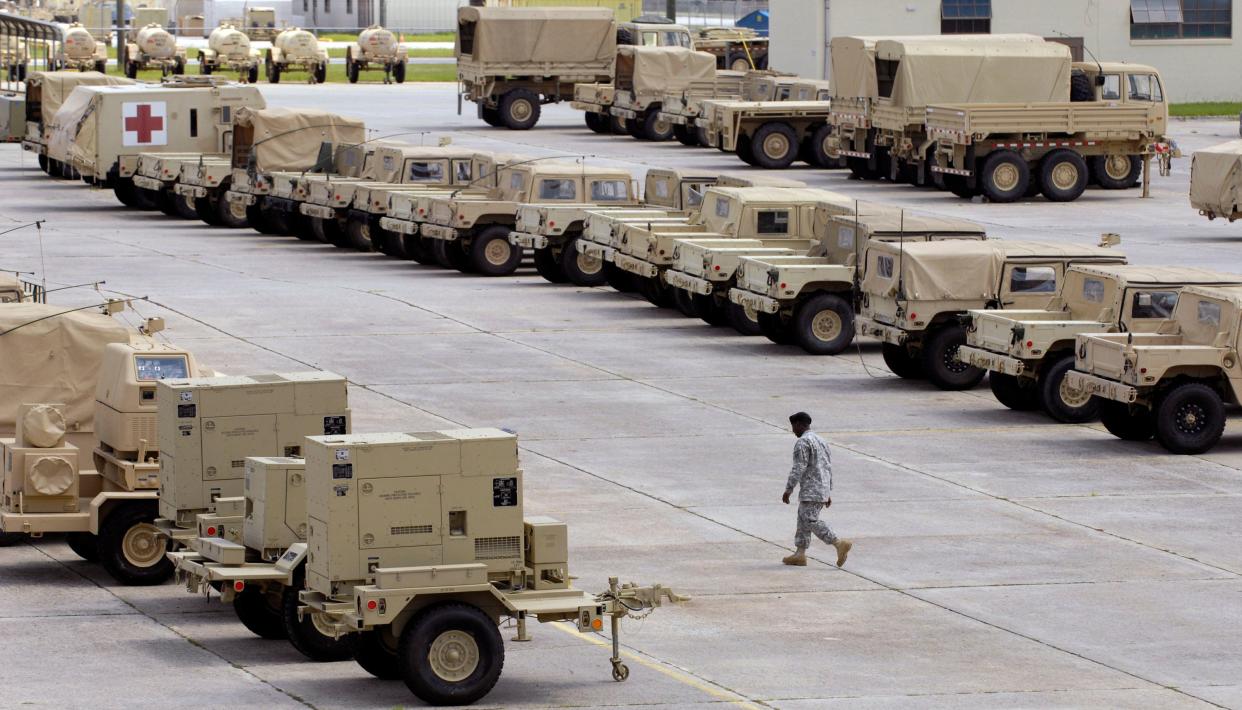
[[843, 551], [797, 559]]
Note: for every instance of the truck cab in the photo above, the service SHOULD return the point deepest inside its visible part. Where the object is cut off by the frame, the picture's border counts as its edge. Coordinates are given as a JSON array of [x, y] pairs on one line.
[[654, 31]]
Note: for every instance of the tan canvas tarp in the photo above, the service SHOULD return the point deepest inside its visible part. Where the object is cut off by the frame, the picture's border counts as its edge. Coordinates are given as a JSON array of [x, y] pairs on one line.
[[289, 139], [982, 69], [1216, 178], [54, 360], [853, 67], [70, 133], [55, 86], [657, 70], [562, 35]]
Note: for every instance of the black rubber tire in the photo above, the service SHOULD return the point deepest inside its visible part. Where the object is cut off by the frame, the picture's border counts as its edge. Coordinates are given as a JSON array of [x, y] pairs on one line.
[[581, 270], [8, 539], [861, 169], [1048, 173], [45, 164], [320, 74], [549, 267], [619, 125], [252, 76], [1004, 161], [273, 73], [804, 324], [299, 226], [388, 243], [959, 185], [741, 320], [1125, 424], [944, 370], [737, 58], [124, 189], [111, 548], [497, 235], [1020, 394], [1081, 88], [655, 128], [416, 645], [1051, 395], [398, 72], [634, 129], [303, 635], [228, 218], [491, 116], [686, 135], [620, 279], [451, 255], [1099, 169], [418, 249], [778, 134], [204, 68], [710, 309], [261, 613], [358, 227], [654, 290], [375, 653], [776, 328], [351, 71], [185, 208], [902, 362], [705, 139], [328, 231], [817, 148], [683, 301], [598, 122], [1177, 432], [264, 221], [745, 150], [206, 211], [84, 545], [131, 70], [517, 99]]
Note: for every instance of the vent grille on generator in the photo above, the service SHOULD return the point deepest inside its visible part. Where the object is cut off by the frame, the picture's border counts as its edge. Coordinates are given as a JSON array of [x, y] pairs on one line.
[[410, 530], [497, 548], [143, 427]]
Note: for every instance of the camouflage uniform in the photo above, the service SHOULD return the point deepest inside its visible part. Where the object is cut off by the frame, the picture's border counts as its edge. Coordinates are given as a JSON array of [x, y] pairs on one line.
[[812, 474]]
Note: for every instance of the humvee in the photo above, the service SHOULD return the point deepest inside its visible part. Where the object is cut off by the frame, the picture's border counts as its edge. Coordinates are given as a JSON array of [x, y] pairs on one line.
[[155, 178], [1173, 385], [1028, 353], [644, 75], [472, 232], [914, 296], [45, 92], [350, 163], [418, 549], [810, 300], [1214, 181]]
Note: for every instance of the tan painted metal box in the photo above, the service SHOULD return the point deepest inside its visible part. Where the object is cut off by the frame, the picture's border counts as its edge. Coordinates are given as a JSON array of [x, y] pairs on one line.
[[275, 504], [43, 480]]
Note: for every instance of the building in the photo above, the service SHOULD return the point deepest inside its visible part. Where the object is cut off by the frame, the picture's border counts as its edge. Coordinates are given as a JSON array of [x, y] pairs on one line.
[[1191, 42]]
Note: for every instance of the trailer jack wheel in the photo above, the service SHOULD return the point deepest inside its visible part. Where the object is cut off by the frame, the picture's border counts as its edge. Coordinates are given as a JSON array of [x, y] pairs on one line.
[[620, 671]]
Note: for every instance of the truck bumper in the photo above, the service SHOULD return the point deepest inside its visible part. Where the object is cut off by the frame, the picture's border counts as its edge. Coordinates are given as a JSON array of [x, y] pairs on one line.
[[193, 192], [588, 107], [754, 301], [240, 198], [147, 183], [676, 119], [686, 282], [854, 154], [317, 211], [435, 231], [951, 171], [598, 251], [885, 333], [625, 262], [1101, 387], [624, 112], [528, 240], [39, 523], [400, 226], [989, 360]]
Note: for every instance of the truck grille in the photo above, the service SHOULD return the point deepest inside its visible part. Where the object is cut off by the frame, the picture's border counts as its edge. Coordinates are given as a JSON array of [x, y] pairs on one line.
[[497, 548], [410, 530]]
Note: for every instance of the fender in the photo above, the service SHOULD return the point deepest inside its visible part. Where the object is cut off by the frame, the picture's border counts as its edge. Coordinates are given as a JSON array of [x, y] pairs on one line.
[[102, 504]]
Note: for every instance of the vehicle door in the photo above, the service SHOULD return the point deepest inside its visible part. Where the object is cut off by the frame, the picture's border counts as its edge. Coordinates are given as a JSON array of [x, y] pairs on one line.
[[1148, 309], [1030, 284]]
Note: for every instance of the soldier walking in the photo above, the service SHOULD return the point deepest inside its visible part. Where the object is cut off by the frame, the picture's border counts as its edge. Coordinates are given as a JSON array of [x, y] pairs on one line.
[[812, 475]]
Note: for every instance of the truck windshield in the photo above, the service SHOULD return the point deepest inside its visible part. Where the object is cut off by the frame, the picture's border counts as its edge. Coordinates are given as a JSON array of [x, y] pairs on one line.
[[1111, 91], [772, 222], [1145, 87], [666, 39], [1033, 279], [557, 189], [1154, 304], [608, 190], [423, 171]]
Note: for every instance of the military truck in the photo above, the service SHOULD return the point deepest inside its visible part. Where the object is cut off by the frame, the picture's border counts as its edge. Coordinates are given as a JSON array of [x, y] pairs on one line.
[[101, 130], [644, 75], [595, 101], [155, 182], [511, 61], [257, 558], [152, 47], [1173, 385], [295, 49], [418, 549], [774, 134], [98, 396], [376, 48], [653, 31], [683, 106], [1028, 353], [757, 86], [471, 233], [45, 92], [1215, 186], [1113, 119], [260, 23], [734, 48], [810, 300], [915, 296], [14, 290], [228, 48], [80, 51], [312, 191]]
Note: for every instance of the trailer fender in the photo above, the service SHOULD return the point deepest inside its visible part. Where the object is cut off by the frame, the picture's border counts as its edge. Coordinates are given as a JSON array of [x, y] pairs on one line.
[[103, 504]]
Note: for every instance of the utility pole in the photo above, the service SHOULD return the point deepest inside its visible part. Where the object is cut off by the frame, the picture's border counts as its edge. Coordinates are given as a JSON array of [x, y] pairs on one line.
[[671, 10], [120, 33]]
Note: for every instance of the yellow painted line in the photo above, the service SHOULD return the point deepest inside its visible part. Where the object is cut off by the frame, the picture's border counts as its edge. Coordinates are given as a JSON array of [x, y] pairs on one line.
[[683, 678]]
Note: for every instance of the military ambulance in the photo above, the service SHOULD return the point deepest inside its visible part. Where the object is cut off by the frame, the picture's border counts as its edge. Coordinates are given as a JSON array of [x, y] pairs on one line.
[[45, 92]]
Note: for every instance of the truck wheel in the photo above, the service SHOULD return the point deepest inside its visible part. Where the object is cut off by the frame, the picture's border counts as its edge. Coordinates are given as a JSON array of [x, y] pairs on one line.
[[101, 66], [737, 61], [580, 269], [389, 243], [744, 320], [705, 137], [204, 67], [596, 122], [259, 221], [376, 652], [124, 189], [323, 229], [1190, 419], [185, 207], [1005, 176], [130, 547], [351, 71], [252, 76], [959, 185], [205, 208], [179, 66], [775, 328], [861, 169], [686, 135], [683, 301], [944, 370], [902, 362], [621, 280], [418, 249], [1020, 394], [8, 539], [1081, 88], [1117, 172], [231, 214], [451, 654], [273, 73], [163, 201], [655, 128], [321, 74], [1060, 401], [824, 324], [549, 267], [654, 290], [359, 231], [84, 545], [492, 254], [519, 109], [822, 141], [490, 116], [398, 73], [620, 126], [1125, 424], [260, 612], [1062, 175], [745, 150], [305, 635], [131, 70], [452, 255], [710, 310], [774, 146]]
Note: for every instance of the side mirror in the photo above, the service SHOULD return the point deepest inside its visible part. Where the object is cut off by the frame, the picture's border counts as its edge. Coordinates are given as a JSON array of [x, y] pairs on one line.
[[1099, 80]]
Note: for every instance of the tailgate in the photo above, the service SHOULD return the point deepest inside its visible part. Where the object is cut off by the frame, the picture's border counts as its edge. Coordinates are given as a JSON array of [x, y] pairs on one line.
[[1102, 355]]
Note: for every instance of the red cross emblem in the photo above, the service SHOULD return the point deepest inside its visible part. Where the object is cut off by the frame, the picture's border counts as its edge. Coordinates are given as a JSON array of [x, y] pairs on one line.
[[145, 123]]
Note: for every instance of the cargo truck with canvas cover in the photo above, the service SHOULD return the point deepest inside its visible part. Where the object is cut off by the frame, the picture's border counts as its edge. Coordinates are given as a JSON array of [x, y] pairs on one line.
[[418, 549], [1216, 181], [1174, 385], [1113, 119], [915, 296], [101, 130], [810, 300], [45, 92], [511, 61], [644, 75], [1028, 353]]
